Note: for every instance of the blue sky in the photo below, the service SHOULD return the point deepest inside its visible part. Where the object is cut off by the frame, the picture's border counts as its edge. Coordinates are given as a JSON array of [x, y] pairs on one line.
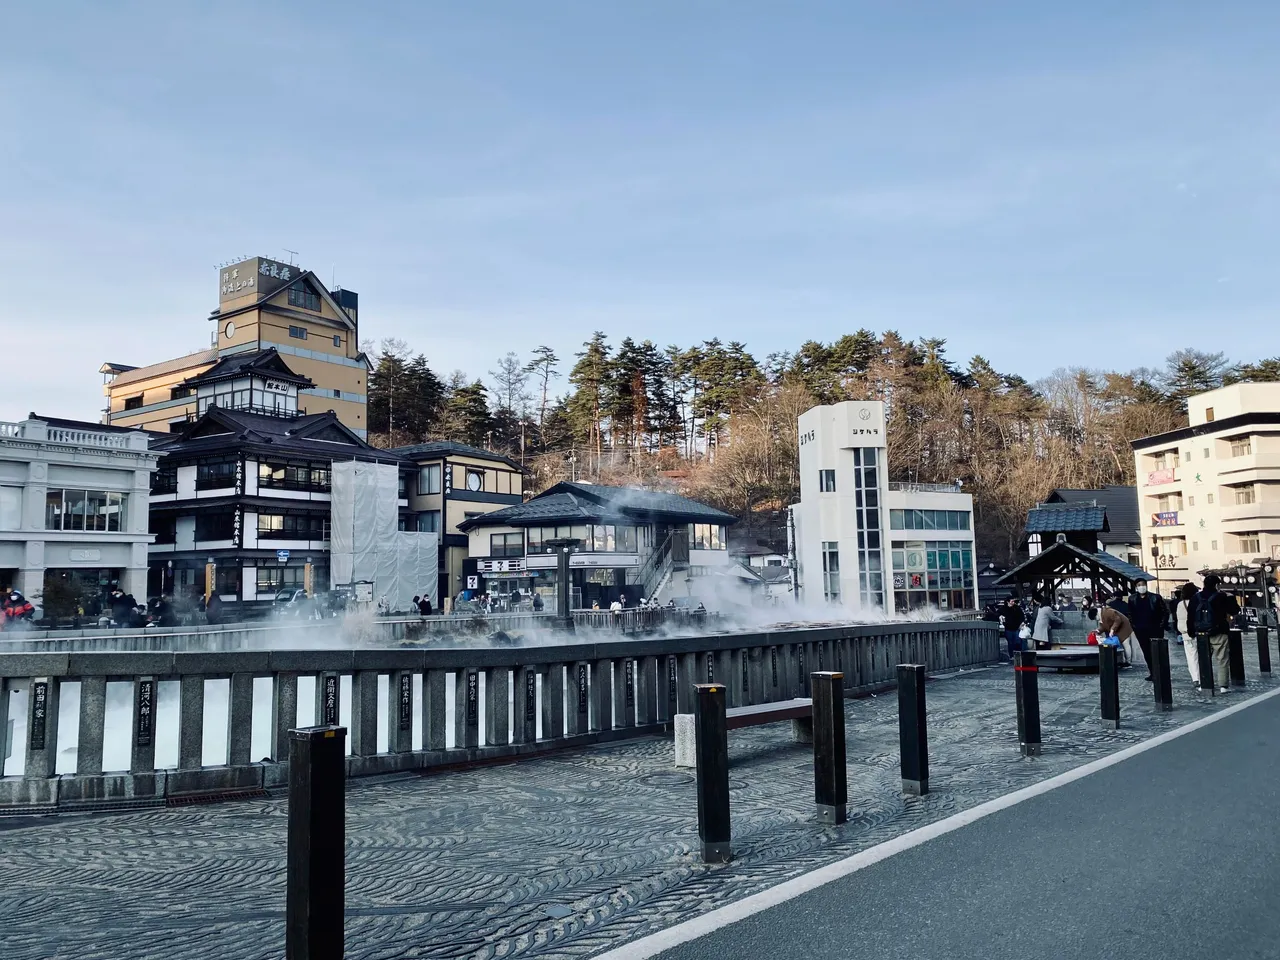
[[1044, 184]]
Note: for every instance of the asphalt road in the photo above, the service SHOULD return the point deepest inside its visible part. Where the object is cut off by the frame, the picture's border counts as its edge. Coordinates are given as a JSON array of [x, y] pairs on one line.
[[1174, 853]]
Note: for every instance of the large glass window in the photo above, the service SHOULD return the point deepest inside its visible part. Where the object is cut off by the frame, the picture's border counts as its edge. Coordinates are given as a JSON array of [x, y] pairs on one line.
[[301, 295], [831, 571], [935, 573], [1241, 446], [290, 526], [295, 475], [216, 472], [506, 545], [215, 525], [929, 520], [272, 580], [10, 508], [429, 521], [866, 482], [165, 479], [85, 510], [707, 536], [163, 527], [429, 479]]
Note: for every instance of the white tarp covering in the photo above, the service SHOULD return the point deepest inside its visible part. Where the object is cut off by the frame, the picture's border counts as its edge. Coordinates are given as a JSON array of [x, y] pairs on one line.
[[365, 544]]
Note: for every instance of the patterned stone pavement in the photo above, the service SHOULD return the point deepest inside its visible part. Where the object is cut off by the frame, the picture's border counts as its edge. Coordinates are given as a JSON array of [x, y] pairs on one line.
[[559, 857]]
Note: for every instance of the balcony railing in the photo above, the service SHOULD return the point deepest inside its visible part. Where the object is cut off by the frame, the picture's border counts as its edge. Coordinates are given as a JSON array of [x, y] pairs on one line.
[[38, 430], [925, 487]]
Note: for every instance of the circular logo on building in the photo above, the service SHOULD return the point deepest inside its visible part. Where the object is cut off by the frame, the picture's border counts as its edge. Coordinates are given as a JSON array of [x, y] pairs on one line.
[[864, 414]]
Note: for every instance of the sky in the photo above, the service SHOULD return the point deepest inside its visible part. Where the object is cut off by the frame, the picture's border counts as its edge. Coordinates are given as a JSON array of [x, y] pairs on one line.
[[1043, 184]]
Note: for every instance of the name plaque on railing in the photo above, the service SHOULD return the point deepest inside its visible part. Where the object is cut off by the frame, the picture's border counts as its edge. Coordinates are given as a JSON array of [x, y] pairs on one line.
[[330, 711], [631, 683], [672, 685], [711, 668], [473, 694], [406, 701], [530, 696], [773, 660], [582, 688], [39, 712], [143, 735]]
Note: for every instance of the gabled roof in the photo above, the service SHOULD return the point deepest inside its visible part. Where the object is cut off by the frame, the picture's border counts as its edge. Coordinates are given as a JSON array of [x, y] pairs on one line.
[[1064, 518], [305, 276], [317, 435], [569, 503], [444, 448], [1121, 504], [1068, 561], [262, 363]]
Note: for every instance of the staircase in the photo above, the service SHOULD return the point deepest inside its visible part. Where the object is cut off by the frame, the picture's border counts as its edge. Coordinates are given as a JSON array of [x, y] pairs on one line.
[[656, 571]]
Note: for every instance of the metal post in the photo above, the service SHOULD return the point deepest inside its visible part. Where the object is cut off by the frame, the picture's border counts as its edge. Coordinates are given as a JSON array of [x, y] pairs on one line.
[[1109, 684], [1235, 656], [1026, 683], [913, 734], [712, 751], [830, 777], [1204, 657], [316, 870], [1161, 680], [1264, 651]]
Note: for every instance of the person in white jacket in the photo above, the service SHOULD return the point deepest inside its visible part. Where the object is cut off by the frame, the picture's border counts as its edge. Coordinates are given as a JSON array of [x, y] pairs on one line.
[[1040, 632], [1185, 596]]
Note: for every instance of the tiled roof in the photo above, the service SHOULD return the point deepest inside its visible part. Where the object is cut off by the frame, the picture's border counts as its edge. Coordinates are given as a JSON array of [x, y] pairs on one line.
[[1067, 558], [635, 500], [197, 359], [264, 363], [1061, 518], [591, 503], [1121, 504], [437, 448]]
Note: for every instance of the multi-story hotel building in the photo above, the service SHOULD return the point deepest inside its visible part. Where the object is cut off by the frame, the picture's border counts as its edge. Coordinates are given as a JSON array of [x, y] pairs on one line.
[[262, 304], [863, 543], [1210, 492]]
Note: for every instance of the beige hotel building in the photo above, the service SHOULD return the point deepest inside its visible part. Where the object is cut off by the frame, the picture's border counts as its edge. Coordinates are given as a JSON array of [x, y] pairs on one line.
[[262, 303], [1210, 492]]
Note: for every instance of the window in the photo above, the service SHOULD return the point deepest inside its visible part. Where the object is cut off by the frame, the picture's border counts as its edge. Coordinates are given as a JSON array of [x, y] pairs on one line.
[[165, 479], [298, 333], [831, 571], [88, 510], [1213, 544], [10, 508], [1191, 501], [1195, 545], [429, 521], [290, 526], [827, 481], [216, 525], [506, 544], [935, 573], [1242, 446], [272, 580], [929, 520], [866, 492], [133, 403], [163, 528], [216, 472], [337, 340], [1206, 453], [1244, 495], [179, 393], [1208, 414], [429, 479], [475, 480], [301, 295], [707, 536], [1210, 498], [295, 475], [1250, 544], [226, 580]]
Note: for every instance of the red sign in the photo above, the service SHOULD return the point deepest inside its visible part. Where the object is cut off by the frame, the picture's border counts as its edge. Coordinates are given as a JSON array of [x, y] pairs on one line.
[[1156, 477]]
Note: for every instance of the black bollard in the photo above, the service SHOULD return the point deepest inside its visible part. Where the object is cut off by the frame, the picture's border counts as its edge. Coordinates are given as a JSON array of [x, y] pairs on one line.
[[913, 735], [1264, 651], [830, 778], [712, 751], [1235, 656], [1025, 678], [1204, 659], [316, 870], [1109, 682], [1162, 681]]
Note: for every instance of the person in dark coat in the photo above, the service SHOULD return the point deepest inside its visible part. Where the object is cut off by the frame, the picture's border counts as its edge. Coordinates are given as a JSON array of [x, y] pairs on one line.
[[213, 609], [1149, 616], [424, 605], [1013, 620], [122, 607]]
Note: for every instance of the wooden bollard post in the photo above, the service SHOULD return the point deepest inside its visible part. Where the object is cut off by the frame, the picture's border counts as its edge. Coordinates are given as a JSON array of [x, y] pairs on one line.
[[712, 751], [1204, 659], [316, 865], [1026, 683], [1109, 684], [913, 736], [1162, 682], [1264, 651], [1235, 656], [830, 778]]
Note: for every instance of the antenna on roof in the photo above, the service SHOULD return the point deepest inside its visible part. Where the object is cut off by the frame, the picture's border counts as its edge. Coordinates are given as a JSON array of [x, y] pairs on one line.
[[292, 254]]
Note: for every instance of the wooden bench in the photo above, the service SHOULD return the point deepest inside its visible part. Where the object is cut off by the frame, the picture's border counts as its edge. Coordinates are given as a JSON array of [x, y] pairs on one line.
[[798, 711]]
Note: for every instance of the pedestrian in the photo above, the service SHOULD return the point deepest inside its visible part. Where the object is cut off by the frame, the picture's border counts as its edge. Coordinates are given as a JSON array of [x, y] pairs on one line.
[[537, 603], [1149, 616], [1182, 614], [1011, 623], [424, 605], [1040, 632], [213, 608], [1114, 624], [1210, 614]]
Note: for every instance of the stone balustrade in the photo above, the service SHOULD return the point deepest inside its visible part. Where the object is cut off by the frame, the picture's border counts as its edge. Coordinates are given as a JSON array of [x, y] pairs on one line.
[[410, 708]]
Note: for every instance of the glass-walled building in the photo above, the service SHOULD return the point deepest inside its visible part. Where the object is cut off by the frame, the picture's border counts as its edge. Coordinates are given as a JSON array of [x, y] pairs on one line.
[[865, 543]]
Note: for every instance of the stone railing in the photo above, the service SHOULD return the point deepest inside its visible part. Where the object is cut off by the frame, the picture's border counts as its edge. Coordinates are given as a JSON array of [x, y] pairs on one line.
[[39, 430], [407, 709], [8, 429]]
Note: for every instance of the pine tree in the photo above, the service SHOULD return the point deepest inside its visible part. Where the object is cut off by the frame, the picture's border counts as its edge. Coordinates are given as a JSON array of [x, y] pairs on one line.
[[590, 378]]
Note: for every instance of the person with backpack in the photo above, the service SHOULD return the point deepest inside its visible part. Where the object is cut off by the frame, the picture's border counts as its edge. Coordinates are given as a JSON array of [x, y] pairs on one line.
[[1210, 616], [1182, 614], [1149, 616]]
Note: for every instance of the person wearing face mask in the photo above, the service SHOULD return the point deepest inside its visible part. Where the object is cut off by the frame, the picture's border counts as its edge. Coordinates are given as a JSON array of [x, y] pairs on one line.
[[1149, 615]]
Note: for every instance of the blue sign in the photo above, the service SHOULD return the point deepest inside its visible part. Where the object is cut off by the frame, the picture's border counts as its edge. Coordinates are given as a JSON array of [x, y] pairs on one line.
[[282, 556]]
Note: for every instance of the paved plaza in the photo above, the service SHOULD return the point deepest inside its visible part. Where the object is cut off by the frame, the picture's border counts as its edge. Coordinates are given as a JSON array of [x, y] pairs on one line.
[[559, 857]]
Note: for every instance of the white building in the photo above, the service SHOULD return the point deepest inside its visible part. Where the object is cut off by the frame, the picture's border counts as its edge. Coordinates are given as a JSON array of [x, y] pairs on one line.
[[864, 543], [73, 508], [1210, 492]]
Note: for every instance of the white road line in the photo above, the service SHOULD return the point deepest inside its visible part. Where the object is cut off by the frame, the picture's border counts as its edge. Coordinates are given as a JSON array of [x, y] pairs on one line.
[[656, 943]]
